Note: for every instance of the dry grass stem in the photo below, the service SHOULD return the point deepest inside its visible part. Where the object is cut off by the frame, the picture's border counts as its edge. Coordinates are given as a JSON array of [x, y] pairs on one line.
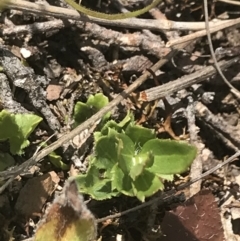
[[65, 13]]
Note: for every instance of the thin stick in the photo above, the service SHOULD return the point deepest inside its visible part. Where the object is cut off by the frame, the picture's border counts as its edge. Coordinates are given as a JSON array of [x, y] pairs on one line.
[[197, 165], [232, 88], [230, 2], [219, 26], [65, 13], [183, 82]]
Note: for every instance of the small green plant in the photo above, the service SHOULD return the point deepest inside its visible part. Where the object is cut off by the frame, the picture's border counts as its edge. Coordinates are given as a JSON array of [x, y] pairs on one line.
[[15, 128], [83, 111], [129, 159], [56, 160]]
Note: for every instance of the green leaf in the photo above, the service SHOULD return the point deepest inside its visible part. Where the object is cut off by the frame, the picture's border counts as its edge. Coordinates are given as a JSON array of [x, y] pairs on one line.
[[170, 157], [115, 147], [56, 160], [146, 185], [6, 161], [169, 177], [91, 177], [139, 135], [129, 118], [106, 151], [93, 185], [109, 125], [119, 127], [121, 181], [97, 101], [10, 131], [103, 165], [97, 135], [100, 191], [140, 162], [103, 190], [16, 129], [27, 123], [125, 152], [83, 111]]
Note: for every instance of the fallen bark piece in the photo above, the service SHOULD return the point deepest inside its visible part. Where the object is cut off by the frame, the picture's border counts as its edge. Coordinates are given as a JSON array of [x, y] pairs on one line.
[[198, 219], [53, 92], [35, 193]]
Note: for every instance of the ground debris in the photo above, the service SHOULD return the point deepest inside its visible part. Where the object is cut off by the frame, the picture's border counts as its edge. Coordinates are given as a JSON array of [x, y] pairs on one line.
[[39, 189], [24, 77], [198, 219]]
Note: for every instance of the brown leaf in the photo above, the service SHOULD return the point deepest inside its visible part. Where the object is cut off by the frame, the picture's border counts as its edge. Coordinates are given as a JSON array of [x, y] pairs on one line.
[[34, 194], [197, 220], [67, 218], [53, 92]]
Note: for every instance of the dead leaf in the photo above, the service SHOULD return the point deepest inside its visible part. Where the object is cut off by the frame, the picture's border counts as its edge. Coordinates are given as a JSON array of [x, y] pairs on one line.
[[53, 92], [197, 220], [35, 193]]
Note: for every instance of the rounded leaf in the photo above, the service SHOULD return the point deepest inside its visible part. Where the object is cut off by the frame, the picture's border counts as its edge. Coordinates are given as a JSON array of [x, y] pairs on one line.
[[140, 162], [121, 181], [82, 112], [146, 185], [106, 151], [170, 157], [140, 135]]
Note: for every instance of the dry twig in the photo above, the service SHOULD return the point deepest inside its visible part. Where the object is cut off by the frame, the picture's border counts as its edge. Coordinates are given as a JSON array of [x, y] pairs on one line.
[[196, 167], [183, 82], [232, 88], [64, 13], [230, 2], [231, 133], [219, 26], [35, 27]]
